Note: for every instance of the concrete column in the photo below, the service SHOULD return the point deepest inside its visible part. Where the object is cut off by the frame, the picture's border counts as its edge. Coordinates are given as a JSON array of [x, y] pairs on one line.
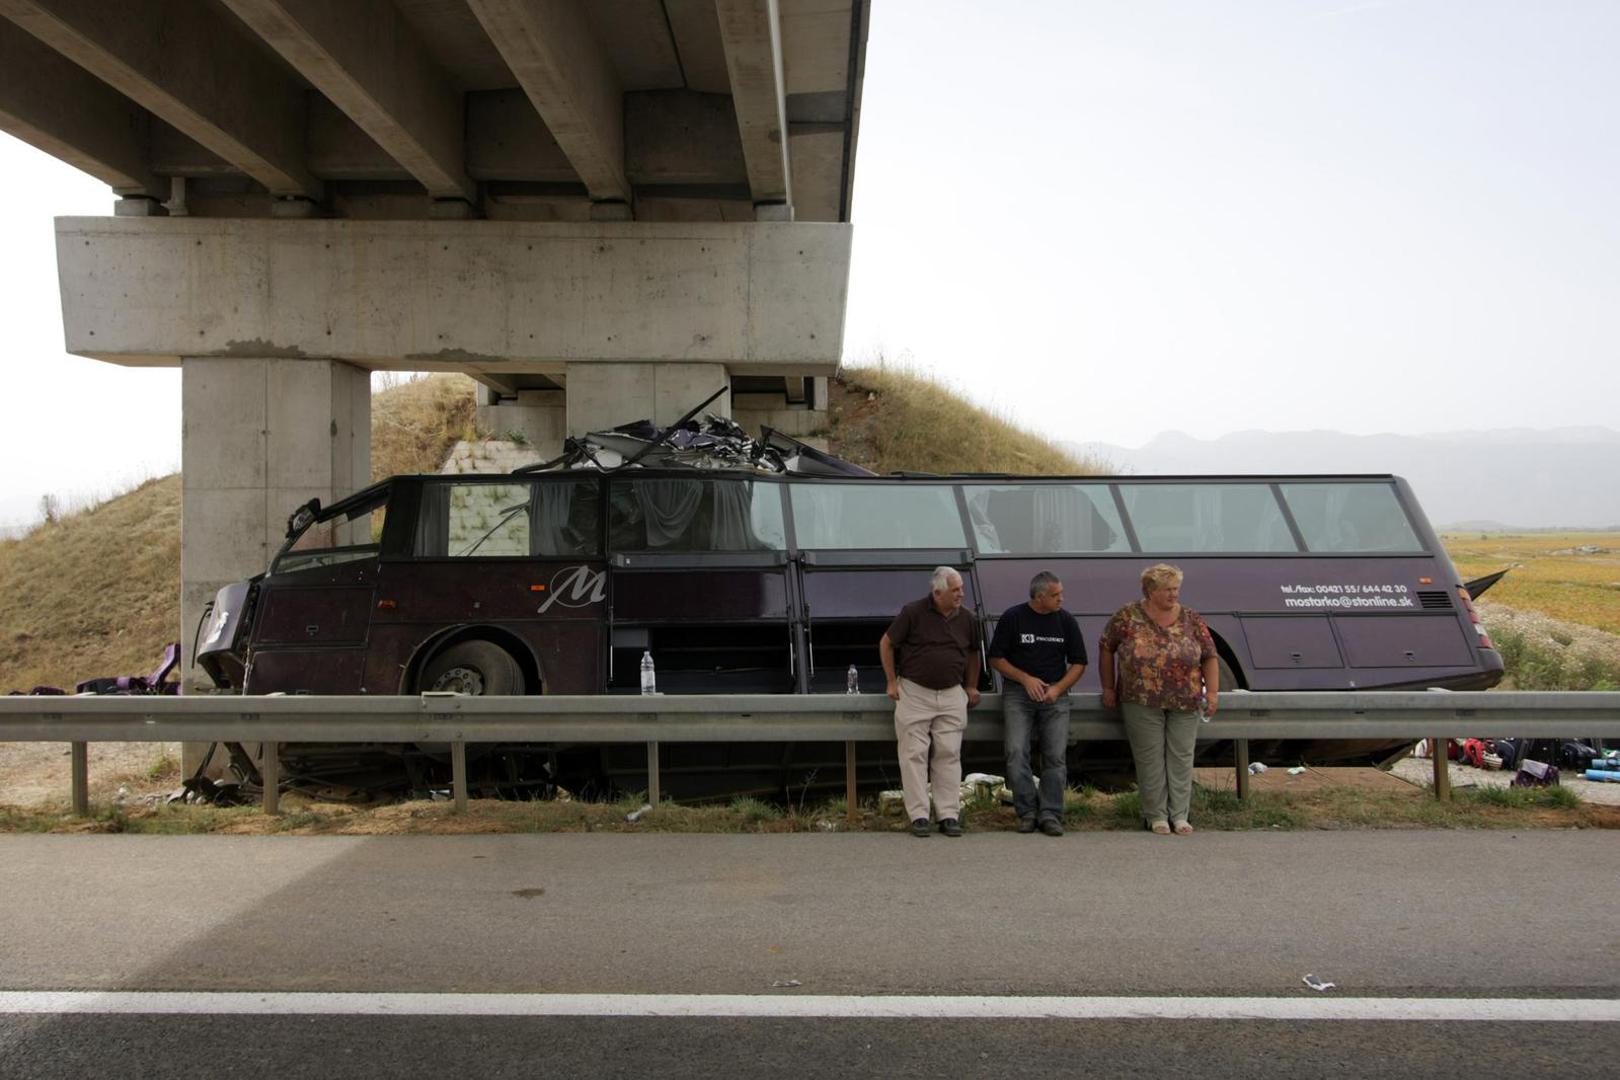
[[259, 437], [605, 395], [539, 417]]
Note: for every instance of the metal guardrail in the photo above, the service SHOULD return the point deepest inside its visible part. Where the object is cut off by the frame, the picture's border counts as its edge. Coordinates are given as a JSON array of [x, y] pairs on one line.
[[847, 718]]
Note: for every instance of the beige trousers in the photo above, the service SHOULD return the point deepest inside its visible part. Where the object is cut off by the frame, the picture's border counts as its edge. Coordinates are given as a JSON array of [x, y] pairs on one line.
[[925, 717]]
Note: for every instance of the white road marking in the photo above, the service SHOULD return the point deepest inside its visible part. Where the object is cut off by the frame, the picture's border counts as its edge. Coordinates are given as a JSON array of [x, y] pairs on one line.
[[750, 1006]]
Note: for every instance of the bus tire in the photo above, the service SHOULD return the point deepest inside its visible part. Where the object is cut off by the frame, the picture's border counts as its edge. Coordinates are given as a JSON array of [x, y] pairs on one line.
[[478, 668]]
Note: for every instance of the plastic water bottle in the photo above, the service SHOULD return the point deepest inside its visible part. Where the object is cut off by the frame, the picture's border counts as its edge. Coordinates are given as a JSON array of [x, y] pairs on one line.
[[852, 682], [649, 680]]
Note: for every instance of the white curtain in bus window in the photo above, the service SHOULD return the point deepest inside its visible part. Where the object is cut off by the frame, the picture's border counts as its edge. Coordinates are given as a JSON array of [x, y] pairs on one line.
[[1350, 517], [1039, 519], [860, 516], [683, 514], [1174, 518]]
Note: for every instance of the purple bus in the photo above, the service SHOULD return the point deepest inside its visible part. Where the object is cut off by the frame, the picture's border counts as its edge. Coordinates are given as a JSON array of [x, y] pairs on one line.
[[738, 582]]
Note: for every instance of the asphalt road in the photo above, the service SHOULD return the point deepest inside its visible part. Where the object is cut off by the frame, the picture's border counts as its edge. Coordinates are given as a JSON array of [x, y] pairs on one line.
[[1382, 914]]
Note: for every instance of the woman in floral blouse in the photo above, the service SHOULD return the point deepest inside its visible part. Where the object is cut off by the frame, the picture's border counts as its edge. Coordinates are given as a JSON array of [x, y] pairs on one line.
[[1167, 675]]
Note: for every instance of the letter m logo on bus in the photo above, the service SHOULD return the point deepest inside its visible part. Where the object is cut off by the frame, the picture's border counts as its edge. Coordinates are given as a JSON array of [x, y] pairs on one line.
[[575, 587]]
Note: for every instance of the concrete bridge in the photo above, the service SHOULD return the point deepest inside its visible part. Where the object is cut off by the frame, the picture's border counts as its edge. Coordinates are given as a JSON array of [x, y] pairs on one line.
[[599, 209]]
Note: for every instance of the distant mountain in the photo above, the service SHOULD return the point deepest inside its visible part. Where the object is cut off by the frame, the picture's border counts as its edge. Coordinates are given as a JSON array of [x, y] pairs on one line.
[[1518, 477]]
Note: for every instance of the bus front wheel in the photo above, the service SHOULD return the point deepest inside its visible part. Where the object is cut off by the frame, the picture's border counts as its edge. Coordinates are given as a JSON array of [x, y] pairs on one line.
[[478, 668]]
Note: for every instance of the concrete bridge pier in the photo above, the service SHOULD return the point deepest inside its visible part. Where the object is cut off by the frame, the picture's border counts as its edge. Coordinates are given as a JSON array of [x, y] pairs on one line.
[[259, 437]]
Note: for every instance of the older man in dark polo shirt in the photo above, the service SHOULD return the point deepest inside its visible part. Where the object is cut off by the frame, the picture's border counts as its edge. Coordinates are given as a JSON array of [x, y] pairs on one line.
[[931, 658]]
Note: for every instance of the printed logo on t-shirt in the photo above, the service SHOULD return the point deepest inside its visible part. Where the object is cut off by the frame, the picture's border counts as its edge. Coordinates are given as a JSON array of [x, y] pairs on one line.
[[1030, 639], [1026, 639]]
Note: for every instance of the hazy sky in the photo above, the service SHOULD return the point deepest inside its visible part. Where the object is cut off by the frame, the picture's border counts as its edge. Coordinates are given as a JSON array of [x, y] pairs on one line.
[[1114, 219]]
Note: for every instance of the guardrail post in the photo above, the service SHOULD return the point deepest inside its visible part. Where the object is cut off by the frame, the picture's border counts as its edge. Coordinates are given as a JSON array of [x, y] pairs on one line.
[[1240, 759], [270, 773], [458, 774], [81, 779], [1442, 771], [653, 794], [850, 807]]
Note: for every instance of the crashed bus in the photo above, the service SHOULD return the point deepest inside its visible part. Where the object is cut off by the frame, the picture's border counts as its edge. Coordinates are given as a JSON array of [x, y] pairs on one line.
[[765, 566]]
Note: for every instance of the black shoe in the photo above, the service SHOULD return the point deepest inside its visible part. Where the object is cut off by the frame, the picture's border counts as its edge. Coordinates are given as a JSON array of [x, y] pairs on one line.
[[1052, 827], [950, 826], [1026, 825], [920, 828]]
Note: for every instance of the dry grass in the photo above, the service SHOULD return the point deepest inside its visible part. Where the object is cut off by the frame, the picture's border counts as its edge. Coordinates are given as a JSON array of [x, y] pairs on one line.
[[414, 424], [94, 594], [1543, 653], [1086, 811], [1550, 574], [892, 420]]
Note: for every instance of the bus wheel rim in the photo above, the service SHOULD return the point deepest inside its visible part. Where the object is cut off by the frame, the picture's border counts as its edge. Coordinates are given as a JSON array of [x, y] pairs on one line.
[[464, 680]]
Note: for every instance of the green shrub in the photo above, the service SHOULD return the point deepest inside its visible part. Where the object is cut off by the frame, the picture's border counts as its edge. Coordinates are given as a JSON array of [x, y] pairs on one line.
[[753, 811]]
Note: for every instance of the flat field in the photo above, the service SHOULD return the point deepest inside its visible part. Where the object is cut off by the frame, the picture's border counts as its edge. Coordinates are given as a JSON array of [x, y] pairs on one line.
[[1570, 576]]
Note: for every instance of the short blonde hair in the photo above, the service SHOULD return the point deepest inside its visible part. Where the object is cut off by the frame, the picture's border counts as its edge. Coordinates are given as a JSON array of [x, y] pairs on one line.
[[1160, 576]]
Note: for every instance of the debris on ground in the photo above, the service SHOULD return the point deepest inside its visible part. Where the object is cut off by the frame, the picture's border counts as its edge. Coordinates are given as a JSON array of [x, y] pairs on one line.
[[1317, 984]]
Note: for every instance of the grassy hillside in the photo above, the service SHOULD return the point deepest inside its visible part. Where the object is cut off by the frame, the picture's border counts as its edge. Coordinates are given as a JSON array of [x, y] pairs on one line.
[[97, 593], [891, 421], [414, 424]]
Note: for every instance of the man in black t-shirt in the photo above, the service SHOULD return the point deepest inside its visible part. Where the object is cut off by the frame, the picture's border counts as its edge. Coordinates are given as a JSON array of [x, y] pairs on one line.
[[1040, 654]]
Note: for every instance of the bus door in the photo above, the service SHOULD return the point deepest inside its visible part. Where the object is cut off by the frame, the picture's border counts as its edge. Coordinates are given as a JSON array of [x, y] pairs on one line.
[[511, 561], [314, 606], [864, 550], [699, 581]]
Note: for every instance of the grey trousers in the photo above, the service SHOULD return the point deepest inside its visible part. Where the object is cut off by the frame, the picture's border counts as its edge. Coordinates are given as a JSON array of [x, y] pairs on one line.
[[1162, 742]]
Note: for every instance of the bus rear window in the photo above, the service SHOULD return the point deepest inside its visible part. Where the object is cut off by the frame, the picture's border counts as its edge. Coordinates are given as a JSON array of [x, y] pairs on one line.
[[1197, 518], [1350, 517], [693, 515], [1029, 519], [851, 517]]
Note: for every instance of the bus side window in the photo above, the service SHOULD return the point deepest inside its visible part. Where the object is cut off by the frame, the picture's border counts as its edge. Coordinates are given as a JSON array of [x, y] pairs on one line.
[[1044, 518], [1345, 517], [1191, 518], [692, 514], [562, 518]]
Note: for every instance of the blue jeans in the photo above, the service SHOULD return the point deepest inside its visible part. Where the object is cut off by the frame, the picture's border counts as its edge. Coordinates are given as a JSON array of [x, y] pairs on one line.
[[1048, 722]]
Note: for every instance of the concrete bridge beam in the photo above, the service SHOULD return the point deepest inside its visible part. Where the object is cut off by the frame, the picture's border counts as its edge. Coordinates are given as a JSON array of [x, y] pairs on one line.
[[751, 31], [56, 106], [366, 60], [563, 69], [506, 297], [191, 65]]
